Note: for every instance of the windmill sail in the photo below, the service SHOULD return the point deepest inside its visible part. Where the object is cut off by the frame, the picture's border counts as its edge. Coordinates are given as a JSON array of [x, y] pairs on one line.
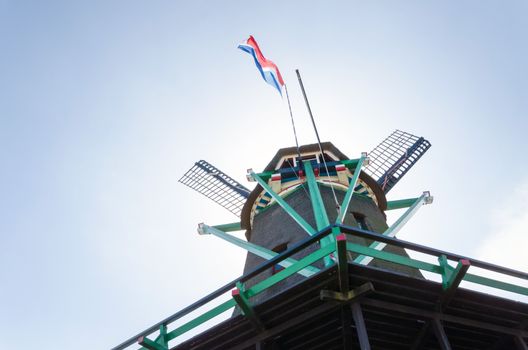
[[394, 156], [217, 186]]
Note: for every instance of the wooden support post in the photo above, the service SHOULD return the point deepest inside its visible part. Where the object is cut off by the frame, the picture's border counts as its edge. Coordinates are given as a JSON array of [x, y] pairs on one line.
[[361, 329], [342, 263], [346, 323], [520, 343], [440, 334], [451, 278]]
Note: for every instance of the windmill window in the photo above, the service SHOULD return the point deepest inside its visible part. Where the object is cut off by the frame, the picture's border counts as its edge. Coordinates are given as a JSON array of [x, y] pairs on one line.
[[278, 249], [361, 221]]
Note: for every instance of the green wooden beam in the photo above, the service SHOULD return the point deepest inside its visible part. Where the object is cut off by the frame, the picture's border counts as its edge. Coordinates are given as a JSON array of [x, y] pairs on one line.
[[234, 226], [289, 210], [319, 210], [390, 257], [451, 277], [425, 198], [350, 192], [509, 287], [254, 248], [201, 319], [349, 163], [401, 203], [421, 265], [321, 217], [281, 275]]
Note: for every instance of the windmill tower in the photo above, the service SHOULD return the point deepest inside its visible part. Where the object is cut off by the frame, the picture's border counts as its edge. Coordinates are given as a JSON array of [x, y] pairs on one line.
[[325, 271]]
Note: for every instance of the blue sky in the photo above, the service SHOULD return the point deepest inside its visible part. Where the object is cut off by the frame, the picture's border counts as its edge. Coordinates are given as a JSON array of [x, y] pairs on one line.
[[105, 104]]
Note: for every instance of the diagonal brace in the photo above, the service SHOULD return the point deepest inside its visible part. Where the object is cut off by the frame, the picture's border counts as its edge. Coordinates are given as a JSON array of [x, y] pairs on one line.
[[319, 211], [425, 198], [364, 289], [451, 277], [289, 210], [350, 192]]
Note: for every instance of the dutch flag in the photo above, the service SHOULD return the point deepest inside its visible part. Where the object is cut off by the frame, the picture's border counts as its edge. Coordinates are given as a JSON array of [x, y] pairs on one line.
[[267, 68]]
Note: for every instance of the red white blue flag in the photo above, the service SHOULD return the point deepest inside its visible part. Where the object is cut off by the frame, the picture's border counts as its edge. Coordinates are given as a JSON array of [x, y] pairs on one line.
[[267, 68]]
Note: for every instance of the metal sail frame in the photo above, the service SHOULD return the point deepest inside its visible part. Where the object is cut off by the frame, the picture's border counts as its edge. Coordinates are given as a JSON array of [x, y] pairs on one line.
[[394, 157], [208, 180]]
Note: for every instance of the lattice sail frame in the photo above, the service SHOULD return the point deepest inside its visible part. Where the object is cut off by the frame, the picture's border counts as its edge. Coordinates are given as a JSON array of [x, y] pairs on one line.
[[394, 156], [206, 179]]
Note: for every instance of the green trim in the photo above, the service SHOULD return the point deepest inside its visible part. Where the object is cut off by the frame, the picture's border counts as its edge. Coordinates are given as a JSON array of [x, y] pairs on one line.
[[234, 226], [401, 203], [201, 319], [401, 260], [496, 284], [350, 192], [287, 272], [390, 257], [295, 216], [350, 163], [243, 303], [446, 270], [265, 175]]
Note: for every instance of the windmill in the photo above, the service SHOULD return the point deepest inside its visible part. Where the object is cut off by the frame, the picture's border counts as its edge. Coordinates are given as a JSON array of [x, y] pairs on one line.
[[325, 271], [285, 176]]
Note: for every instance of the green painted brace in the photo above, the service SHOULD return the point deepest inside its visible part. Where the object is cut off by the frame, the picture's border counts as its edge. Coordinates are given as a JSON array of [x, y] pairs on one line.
[[289, 210], [425, 198], [350, 192], [321, 217], [234, 226]]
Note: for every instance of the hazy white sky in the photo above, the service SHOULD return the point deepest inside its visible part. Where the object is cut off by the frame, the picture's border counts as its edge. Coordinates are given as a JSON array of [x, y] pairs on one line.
[[105, 104]]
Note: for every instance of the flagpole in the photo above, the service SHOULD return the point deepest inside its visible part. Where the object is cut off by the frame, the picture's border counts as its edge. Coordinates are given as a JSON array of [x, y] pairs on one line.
[[293, 125], [316, 133]]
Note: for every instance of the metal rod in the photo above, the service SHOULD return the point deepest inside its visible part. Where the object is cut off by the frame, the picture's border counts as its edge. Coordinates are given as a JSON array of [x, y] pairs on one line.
[[293, 126], [316, 132]]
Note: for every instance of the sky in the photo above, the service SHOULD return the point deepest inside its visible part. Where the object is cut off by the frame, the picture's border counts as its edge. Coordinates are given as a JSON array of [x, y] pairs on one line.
[[105, 104]]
